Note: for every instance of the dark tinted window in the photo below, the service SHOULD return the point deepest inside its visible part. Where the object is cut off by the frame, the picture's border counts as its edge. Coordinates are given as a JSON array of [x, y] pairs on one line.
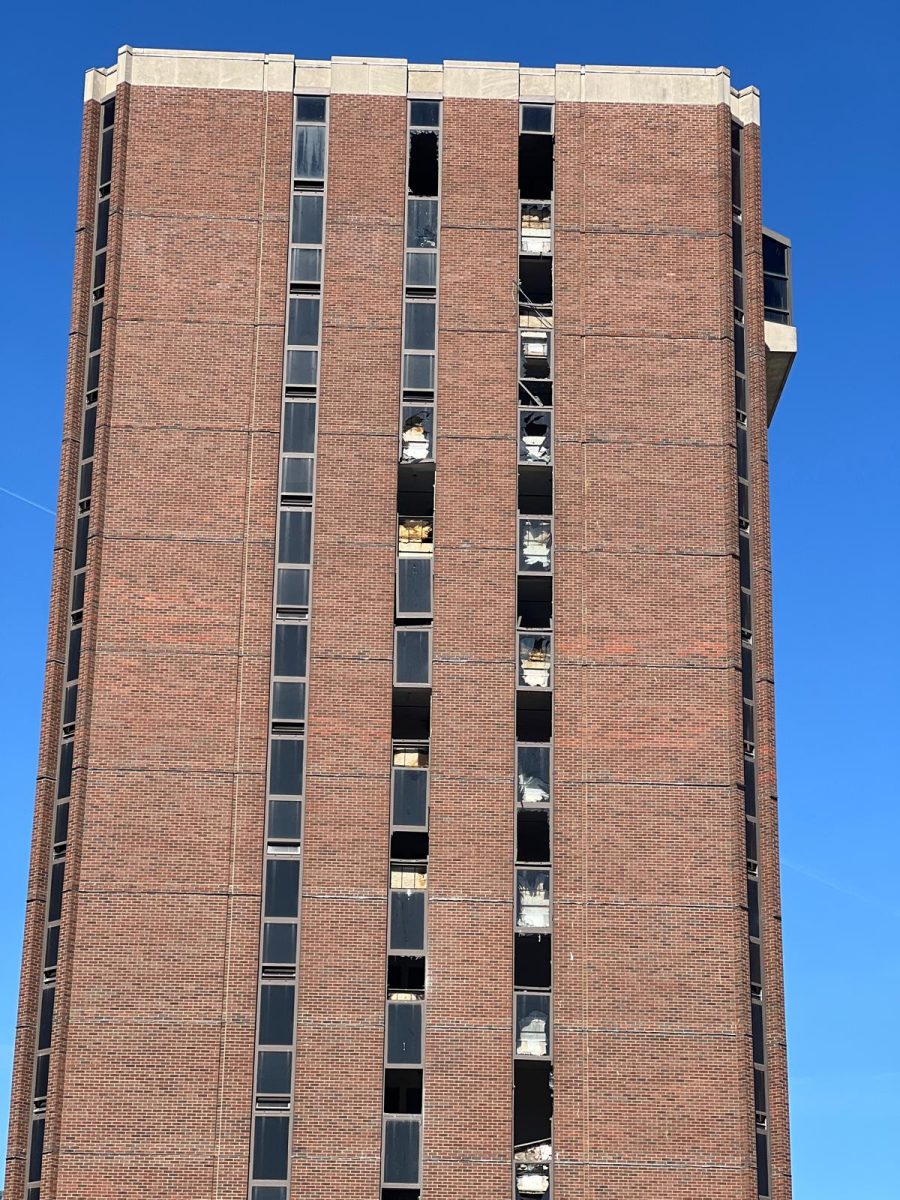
[[413, 655], [270, 1147], [295, 532], [410, 797], [35, 1152], [276, 1014], [81, 539], [425, 112], [273, 1073], [299, 428], [41, 1076], [284, 819], [282, 885], [407, 920], [537, 118], [96, 328], [51, 950], [64, 783], [774, 256], [290, 648], [303, 321], [61, 823], [309, 152], [420, 326], [293, 589], [279, 943], [306, 218], [286, 767], [404, 1033], [309, 108], [73, 662], [45, 1021], [414, 585], [401, 1151], [56, 887]]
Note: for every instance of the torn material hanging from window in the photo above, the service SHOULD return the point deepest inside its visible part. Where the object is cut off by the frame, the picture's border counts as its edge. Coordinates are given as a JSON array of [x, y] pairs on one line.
[[534, 660], [535, 543], [533, 899], [536, 228], [416, 438], [534, 436], [532, 1024]]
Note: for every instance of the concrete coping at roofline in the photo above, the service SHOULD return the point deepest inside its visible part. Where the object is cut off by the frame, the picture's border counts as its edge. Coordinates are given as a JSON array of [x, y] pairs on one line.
[[397, 77]]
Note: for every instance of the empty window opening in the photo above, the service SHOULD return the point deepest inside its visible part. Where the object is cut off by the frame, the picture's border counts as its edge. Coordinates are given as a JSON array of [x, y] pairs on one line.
[[536, 285], [415, 489], [533, 1104], [534, 601], [532, 898], [536, 229], [406, 975], [404, 1033], [402, 1090], [409, 844], [532, 960], [423, 163], [535, 166], [535, 485], [417, 433], [532, 775], [410, 715], [535, 660], [536, 393], [533, 835], [533, 724], [535, 427], [534, 351], [402, 1150], [532, 1025]]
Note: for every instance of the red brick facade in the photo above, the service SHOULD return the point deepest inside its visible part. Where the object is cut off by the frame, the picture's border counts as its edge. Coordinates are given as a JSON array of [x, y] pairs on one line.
[[153, 1039]]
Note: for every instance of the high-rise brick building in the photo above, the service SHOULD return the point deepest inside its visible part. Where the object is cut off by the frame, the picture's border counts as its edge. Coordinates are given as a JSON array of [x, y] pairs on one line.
[[406, 820]]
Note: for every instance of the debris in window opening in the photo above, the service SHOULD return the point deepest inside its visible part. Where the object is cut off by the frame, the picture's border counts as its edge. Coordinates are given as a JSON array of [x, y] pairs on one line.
[[416, 436], [533, 1170], [415, 536], [533, 790], [532, 1037], [410, 880], [534, 899], [536, 545], [535, 439], [534, 661]]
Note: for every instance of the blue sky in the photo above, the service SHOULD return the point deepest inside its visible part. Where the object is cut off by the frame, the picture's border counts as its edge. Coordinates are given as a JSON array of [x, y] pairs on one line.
[[830, 183]]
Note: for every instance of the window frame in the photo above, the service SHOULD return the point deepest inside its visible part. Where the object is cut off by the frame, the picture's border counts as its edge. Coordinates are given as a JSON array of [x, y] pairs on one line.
[[410, 1118], [521, 519], [521, 686], [406, 629]]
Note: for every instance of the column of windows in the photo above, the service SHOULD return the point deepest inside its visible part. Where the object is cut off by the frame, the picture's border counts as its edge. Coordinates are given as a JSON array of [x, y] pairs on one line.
[[72, 665], [279, 935], [533, 921], [742, 434], [401, 1173]]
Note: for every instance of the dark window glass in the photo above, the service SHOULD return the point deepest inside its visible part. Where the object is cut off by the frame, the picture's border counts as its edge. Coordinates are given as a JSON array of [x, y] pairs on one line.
[[284, 819], [102, 224], [35, 1152], [420, 326], [268, 1193], [404, 1033], [736, 181], [418, 372], [755, 964], [282, 887], [286, 767], [64, 779], [753, 906], [533, 1024], [295, 531], [306, 265], [303, 321], [297, 476], [306, 218], [54, 909], [740, 358], [96, 330], [749, 734], [86, 481], [279, 943], [410, 798], [288, 701], [74, 658], [81, 539], [746, 614], [413, 659], [61, 824], [776, 292], [401, 1151], [41, 1076], [270, 1147], [737, 245], [51, 949], [426, 113], [290, 648], [301, 369], [759, 1091], [423, 163], [746, 661], [421, 219], [293, 588], [408, 920], [309, 152], [762, 1163], [744, 560], [45, 1020], [90, 428], [299, 428], [93, 373], [740, 397], [78, 592], [109, 112], [743, 459], [738, 292], [100, 270], [421, 270], [774, 256], [752, 842], [276, 1014], [537, 118], [273, 1073], [309, 108], [414, 585], [756, 1030]]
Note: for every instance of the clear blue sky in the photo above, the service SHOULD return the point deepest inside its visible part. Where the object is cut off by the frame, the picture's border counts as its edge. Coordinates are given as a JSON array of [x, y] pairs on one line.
[[831, 168]]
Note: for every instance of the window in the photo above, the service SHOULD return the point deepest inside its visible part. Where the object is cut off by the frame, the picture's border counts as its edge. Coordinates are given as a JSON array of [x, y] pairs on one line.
[[535, 444], [45, 1018], [303, 321], [404, 1033], [421, 269], [424, 165], [309, 152], [296, 475], [64, 776], [306, 265], [279, 943], [536, 118], [291, 639], [534, 356], [276, 1014], [532, 899], [425, 113], [54, 907], [307, 212], [535, 544], [533, 775], [301, 368], [536, 228], [414, 586], [421, 224], [292, 588], [535, 659], [273, 1072], [270, 1147], [407, 910], [409, 801], [299, 427], [777, 279], [532, 1025], [420, 325], [418, 372], [402, 1136], [417, 433], [295, 532], [412, 657], [282, 887], [286, 766]]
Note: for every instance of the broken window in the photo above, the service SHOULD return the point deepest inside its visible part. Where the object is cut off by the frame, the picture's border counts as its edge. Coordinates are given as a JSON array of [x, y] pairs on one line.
[[533, 774], [407, 909], [421, 224], [532, 1104], [423, 170], [535, 539], [533, 1170], [535, 436], [532, 898], [417, 433], [410, 788], [533, 835], [534, 349], [402, 1150], [412, 657], [536, 228], [535, 658], [532, 1024], [404, 1033]]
